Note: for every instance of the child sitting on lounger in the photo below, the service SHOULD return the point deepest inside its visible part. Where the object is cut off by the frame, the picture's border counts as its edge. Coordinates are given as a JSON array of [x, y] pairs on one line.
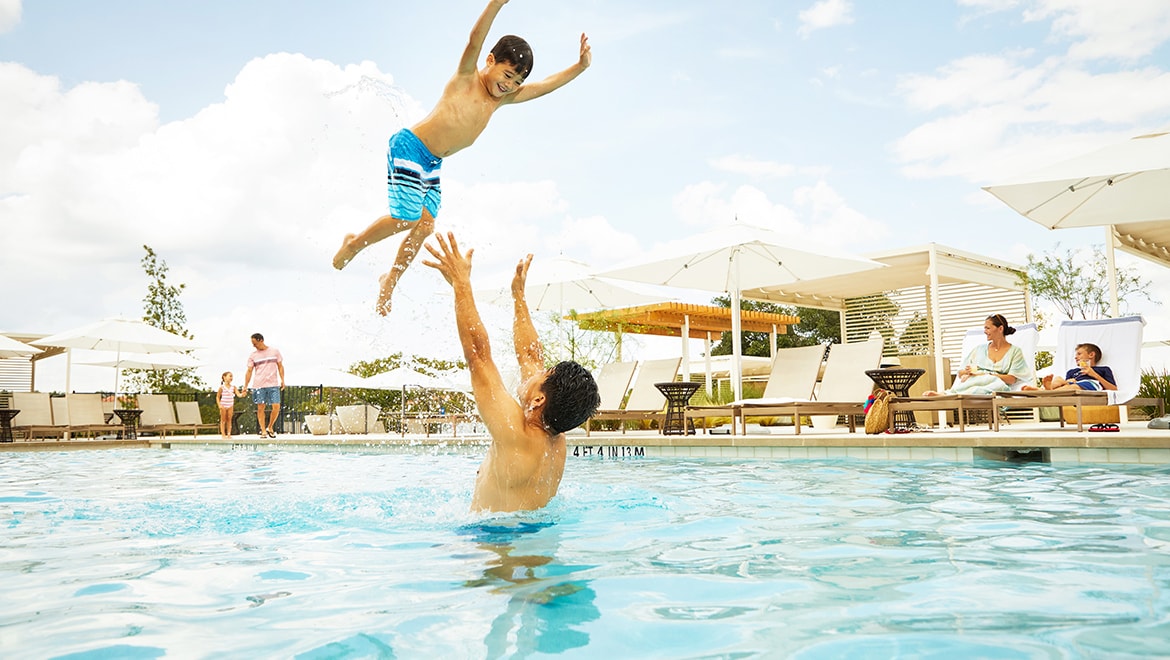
[[1087, 375]]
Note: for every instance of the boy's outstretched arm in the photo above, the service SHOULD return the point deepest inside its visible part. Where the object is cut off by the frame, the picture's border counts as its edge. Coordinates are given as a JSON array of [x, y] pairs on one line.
[[529, 352], [479, 32], [529, 91]]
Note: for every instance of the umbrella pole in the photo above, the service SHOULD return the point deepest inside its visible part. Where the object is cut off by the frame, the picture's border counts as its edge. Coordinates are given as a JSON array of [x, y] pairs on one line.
[[1112, 264], [736, 331], [707, 362]]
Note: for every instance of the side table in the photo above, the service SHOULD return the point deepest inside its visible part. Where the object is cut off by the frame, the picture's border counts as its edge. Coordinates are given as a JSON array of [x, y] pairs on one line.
[[6, 415], [897, 380], [129, 417], [678, 395]]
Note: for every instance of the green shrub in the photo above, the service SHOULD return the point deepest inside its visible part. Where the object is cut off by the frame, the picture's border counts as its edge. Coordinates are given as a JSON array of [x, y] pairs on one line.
[[1155, 385]]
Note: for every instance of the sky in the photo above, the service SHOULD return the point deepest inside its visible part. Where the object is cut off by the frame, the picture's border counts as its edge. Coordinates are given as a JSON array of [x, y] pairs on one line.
[[242, 139]]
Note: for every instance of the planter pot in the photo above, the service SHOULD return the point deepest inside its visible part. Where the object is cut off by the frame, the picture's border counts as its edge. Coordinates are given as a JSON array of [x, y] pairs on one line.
[[317, 424]]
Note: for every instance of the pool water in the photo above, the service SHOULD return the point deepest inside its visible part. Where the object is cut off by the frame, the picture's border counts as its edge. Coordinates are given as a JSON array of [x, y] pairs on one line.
[[218, 553]]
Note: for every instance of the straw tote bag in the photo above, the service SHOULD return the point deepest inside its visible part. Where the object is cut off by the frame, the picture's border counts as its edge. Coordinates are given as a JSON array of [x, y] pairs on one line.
[[877, 413]]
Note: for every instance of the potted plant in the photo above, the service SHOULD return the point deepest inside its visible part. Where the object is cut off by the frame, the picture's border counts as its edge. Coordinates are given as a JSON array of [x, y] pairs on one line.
[[317, 421]]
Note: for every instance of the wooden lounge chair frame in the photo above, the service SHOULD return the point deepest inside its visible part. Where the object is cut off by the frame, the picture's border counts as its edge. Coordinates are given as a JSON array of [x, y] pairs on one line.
[[843, 390], [793, 377], [645, 402]]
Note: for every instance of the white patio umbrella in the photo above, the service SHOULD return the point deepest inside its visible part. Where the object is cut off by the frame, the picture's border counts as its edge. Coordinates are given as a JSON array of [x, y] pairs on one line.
[[561, 284], [1122, 184], [154, 361], [118, 336], [400, 378], [10, 348], [325, 377], [736, 257], [149, 361]]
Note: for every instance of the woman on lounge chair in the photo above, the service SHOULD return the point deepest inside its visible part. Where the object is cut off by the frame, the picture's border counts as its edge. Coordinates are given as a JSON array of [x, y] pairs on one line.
[[994, 366]]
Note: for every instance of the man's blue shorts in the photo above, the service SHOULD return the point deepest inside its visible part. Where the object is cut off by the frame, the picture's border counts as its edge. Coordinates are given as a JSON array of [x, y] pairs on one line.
[[412, 177], [266, 395]]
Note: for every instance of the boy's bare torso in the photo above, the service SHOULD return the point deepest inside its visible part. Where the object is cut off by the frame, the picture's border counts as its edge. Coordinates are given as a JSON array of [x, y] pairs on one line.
[[459, 117], [522, 480]]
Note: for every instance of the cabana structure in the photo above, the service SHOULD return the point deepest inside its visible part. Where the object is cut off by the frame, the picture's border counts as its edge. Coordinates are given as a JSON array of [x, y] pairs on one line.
[[922, 304]]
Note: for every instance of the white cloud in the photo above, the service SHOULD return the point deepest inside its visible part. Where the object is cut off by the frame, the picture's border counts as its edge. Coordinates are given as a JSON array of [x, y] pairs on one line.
[[752, 167], [1001, 115], [821, 217], [9, 14], [825, 14], [246, 201], [1116, 30]]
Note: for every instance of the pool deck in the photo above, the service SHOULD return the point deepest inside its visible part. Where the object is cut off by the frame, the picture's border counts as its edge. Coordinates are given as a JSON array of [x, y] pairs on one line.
[[1019, 441]]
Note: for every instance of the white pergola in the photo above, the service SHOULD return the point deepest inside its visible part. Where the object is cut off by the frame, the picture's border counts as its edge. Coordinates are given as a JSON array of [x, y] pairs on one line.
[[954, 290]]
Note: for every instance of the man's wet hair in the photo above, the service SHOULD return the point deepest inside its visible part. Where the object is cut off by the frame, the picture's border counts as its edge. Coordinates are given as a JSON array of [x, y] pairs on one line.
[[570, 395], [513, 50]]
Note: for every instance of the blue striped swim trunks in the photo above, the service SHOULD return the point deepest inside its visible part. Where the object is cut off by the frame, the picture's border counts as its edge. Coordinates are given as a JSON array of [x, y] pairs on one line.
[[412, 177]]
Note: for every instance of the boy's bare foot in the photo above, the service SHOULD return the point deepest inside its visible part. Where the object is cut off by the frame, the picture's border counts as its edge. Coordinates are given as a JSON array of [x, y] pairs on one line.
[[1029, 387], [386, 282], [347, 252], [930, 393]]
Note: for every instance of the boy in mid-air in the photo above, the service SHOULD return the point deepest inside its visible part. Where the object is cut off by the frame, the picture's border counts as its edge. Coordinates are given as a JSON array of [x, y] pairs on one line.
[[524, 464], [463, 111]]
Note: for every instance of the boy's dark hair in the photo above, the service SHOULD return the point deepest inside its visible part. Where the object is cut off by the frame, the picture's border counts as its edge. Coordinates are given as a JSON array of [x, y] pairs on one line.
[[1093, 349], [513, 50], [570, 397], [257, 336]]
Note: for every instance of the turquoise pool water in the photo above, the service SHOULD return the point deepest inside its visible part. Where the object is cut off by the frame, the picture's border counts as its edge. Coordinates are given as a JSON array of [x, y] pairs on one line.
[[210, 553]]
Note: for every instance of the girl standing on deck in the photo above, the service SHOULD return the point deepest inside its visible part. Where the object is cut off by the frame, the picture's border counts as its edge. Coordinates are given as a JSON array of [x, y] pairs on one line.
[[225, 398]]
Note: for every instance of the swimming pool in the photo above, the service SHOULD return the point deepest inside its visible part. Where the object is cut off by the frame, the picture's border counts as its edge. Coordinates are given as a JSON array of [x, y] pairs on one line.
[[217, 553]]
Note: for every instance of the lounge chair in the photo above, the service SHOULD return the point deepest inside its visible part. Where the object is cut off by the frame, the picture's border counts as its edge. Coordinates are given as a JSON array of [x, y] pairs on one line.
[[1026, 336], [35, 419], [158, 415], [190, 418], [60, 406], [645, 401], [86, 415], [792, 378], [360, 419], [613, 381], [843, 390], [1120, 341]]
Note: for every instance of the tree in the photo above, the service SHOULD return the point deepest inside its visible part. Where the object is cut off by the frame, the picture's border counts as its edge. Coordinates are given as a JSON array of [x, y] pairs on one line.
[[817, 326], [1077, 282], [163, 309], [563, 339]]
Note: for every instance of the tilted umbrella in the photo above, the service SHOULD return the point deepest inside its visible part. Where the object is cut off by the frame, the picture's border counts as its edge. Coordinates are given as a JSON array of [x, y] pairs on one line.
[[10, 348], [118, 336], [1124, 187], [736, 257], [1126, 182]]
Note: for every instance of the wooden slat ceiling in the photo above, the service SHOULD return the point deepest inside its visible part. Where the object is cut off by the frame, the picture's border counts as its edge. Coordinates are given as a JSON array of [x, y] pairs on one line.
[[666, 319]]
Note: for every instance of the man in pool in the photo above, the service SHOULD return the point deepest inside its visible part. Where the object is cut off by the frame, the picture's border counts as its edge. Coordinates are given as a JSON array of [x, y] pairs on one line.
[[524, 464]]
